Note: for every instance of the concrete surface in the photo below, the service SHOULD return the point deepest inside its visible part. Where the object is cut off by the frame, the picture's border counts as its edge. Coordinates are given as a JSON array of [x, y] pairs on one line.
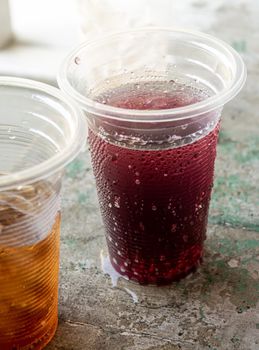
[[216, 308]]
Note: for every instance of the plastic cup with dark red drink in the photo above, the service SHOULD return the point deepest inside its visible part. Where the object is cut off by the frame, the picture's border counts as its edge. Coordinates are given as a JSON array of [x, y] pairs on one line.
[[153, 100]]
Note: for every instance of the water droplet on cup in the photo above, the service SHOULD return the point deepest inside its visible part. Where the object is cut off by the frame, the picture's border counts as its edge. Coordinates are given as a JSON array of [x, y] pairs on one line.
[[173, 227], [77, 60], [117, 202]]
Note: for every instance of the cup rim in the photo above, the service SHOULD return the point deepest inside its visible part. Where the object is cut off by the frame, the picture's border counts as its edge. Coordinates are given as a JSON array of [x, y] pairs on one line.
[[57, 161], [211, 103]]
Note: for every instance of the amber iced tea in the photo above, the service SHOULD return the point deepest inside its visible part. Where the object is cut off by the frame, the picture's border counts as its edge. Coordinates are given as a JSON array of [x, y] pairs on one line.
[[40, 133], [29, 266]]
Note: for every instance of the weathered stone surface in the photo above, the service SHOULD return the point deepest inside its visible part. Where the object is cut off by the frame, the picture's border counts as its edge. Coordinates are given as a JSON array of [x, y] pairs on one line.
[[215, 308]]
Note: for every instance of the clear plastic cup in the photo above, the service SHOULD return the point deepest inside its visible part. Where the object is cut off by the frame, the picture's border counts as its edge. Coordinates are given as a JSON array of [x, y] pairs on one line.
[[153, 100], [40, 132]]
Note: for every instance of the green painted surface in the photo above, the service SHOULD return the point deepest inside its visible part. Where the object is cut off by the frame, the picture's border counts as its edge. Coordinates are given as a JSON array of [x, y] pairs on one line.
[[235, 199]]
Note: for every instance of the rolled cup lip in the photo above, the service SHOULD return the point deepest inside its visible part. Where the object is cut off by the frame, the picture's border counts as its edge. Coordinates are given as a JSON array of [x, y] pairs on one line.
[[61, 159], [211, 103]]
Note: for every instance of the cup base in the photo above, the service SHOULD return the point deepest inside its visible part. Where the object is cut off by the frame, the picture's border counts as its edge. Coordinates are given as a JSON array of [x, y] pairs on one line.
[[38, 344], [51, 334], [172, 276]]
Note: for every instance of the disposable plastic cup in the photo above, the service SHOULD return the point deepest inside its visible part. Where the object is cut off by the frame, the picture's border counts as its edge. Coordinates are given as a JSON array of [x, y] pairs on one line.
[[153, 100], [40, 132]]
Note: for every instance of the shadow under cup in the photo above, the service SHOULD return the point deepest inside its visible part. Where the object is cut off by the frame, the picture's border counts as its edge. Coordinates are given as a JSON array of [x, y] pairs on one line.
[[40, 132], [153, 166]]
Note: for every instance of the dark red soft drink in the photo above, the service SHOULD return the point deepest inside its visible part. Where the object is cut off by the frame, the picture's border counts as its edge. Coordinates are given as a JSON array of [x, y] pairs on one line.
[[154, 202]]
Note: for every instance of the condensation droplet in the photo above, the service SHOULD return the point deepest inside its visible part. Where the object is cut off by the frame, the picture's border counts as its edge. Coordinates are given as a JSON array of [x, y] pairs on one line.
[[173, 227], [110, 205], [137, 182], [141, 226], [185, 238], [154, 207], [77, 60], [114, 260], [117, 202]]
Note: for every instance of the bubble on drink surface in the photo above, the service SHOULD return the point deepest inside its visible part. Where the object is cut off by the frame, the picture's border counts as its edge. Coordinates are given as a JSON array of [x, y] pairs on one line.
[[117, 202]]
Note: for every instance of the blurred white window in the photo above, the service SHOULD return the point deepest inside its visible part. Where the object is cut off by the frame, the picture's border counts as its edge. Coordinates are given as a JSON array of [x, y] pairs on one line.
[[43, 31]]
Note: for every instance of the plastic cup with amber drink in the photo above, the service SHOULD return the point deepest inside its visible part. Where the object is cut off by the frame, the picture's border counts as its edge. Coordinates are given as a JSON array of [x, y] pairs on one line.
[[40, 132]]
